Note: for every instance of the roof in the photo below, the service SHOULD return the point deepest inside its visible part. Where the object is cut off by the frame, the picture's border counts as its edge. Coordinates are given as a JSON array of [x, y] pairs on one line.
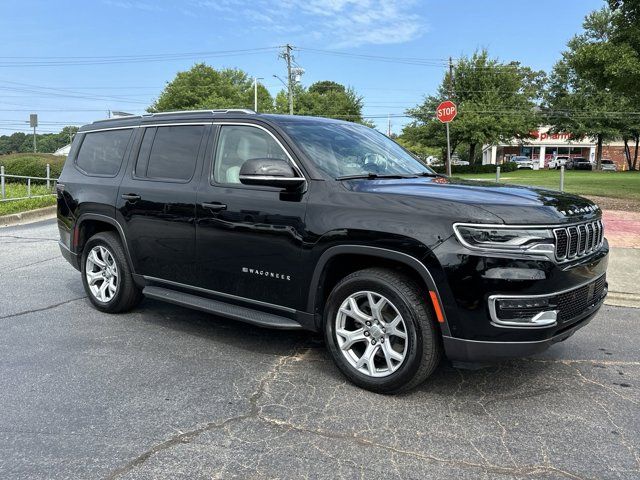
[[231, 113]]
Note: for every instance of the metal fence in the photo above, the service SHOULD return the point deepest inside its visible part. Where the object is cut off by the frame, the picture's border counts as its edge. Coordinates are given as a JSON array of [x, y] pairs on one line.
[[5, 178]]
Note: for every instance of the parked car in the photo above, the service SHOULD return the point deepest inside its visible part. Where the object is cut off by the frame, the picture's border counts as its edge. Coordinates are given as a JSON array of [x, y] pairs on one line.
[[579, 163], [293, 222], [558, 162], [607, 165], [522, 162]]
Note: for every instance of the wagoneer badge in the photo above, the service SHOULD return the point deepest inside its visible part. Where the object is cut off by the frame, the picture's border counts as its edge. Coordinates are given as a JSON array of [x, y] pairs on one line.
[[265, 273]]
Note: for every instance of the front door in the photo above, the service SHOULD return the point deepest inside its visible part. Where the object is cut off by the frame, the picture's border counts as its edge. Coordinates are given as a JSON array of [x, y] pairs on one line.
[[156, 201], [248, 239]]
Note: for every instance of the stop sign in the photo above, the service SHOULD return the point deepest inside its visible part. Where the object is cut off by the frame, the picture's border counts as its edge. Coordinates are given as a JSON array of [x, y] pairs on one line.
[[446, 111]]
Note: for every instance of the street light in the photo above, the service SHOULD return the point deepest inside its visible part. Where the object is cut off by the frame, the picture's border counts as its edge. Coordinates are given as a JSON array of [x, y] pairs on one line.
[[255, 93]]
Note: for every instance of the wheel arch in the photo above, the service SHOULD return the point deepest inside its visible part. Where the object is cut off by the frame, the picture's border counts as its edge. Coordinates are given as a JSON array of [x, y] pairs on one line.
[[361, 256], [88, 224]]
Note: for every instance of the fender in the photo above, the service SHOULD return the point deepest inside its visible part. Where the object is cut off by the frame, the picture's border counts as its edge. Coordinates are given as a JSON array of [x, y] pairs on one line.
[[387, 254], [111, 221]]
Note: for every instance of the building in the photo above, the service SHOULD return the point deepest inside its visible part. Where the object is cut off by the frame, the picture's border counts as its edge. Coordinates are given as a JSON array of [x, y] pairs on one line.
[[63, 151], [544, 146]]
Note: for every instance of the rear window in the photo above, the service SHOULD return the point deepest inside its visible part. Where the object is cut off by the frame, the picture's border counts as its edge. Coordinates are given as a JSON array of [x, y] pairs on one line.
[[101, 153], [608, 162], [169, 153]]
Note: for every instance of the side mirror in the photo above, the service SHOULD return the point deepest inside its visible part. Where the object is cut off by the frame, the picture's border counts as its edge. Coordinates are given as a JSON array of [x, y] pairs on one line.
[[270, 172]]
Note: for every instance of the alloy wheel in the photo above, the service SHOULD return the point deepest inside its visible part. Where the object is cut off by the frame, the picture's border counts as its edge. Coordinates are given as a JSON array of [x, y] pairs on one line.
[[101, 272], [371, 334]]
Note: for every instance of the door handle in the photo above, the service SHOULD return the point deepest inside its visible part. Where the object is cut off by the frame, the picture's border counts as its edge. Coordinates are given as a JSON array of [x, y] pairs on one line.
[[216, 207], [130, 196]]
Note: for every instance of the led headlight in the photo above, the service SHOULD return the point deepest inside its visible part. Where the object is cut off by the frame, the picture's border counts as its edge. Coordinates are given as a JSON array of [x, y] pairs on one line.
[[516, 239]]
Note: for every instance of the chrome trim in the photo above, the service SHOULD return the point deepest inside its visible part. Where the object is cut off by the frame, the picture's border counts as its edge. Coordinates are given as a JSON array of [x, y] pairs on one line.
[[495, 321], [268, 177], [108, 128], [537, 321], [221, 294], [518, 253], [293, 162]]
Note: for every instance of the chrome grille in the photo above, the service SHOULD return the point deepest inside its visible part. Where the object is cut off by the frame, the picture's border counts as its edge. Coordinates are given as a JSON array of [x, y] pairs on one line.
[[578, 240]]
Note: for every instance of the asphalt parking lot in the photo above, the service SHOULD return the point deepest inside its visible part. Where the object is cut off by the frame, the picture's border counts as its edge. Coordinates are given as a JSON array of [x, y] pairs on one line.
[[166, 392]]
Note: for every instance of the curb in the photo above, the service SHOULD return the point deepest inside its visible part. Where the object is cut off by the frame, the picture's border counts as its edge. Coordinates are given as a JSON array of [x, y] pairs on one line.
[[622, 299], [28, 216]]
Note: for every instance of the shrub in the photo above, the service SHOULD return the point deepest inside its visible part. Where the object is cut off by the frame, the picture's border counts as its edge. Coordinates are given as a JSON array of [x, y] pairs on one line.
[[505, 167], [31, 164]]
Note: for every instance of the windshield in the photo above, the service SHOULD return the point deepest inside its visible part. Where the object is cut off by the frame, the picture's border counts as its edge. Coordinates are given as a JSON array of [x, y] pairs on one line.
[[343, 150]]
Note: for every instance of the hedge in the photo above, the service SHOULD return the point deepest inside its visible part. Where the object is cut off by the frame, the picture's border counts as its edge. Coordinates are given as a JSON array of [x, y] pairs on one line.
[[31, 164], [505, 167]]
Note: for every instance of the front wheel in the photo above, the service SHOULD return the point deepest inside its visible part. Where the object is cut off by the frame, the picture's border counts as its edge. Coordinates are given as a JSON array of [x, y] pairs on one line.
[[380, 331]]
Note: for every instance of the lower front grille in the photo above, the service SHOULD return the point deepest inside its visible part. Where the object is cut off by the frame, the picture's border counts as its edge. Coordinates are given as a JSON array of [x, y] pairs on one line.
[[574, 302]]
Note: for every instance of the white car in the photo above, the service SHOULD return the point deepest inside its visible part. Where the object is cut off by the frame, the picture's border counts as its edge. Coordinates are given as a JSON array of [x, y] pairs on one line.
[[558, 162], [523, 162]]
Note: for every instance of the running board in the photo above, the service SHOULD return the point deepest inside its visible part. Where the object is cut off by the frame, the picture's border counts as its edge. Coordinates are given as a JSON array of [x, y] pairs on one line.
[[216, 307]]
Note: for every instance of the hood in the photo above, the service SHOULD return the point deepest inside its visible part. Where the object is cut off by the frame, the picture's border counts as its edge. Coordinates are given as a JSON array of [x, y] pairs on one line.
[[513, 204]]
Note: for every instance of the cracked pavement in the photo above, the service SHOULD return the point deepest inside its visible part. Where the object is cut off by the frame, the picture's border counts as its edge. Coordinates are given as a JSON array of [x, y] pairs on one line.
[[165, 392]]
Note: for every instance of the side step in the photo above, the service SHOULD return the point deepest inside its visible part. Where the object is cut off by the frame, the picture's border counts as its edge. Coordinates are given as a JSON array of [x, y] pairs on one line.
[[235, 312]]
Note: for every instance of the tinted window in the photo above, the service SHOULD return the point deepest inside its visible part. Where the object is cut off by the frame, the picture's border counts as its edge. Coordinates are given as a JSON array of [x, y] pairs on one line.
[[101, 153], [342, 149], [236, 145], [173, 153]]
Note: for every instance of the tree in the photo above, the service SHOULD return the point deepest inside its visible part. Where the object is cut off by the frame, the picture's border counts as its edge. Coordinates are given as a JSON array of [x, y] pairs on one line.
[[585, 96], [324, 99], [203, 87], [496, 101]]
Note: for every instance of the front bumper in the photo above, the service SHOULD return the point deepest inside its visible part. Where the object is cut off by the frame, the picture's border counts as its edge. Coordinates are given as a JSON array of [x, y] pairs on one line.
[[464, 350]]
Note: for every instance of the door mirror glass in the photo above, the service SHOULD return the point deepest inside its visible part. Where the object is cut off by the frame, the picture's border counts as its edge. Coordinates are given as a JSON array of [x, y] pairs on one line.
[[270, 172]]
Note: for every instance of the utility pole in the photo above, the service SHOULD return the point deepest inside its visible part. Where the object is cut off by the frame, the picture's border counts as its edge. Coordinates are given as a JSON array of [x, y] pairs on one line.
[[389, 125], [286, 54]]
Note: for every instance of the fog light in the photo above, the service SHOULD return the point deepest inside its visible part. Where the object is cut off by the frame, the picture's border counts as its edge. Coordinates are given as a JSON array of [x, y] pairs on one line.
[[520, 303]]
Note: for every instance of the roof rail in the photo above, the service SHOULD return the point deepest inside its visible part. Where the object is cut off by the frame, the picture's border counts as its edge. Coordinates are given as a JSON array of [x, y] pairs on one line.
[[221, 110]]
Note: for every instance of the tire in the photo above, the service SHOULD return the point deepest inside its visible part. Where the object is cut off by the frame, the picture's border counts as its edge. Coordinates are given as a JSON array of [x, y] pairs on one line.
[[124, 294], [421, 349]]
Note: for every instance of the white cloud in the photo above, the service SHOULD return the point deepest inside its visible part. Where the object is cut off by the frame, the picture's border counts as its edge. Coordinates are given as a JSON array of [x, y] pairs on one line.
[[333, 23], [134, 5]]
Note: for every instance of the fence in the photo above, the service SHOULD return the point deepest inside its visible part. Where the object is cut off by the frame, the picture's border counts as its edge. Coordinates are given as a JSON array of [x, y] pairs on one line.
[[29, 180]]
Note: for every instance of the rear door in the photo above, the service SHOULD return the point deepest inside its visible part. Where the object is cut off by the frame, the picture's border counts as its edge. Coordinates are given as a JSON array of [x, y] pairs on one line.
[[156, 200]]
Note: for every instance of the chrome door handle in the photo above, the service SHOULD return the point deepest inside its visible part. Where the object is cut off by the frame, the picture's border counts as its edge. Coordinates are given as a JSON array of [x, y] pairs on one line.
[[216, 207], [130, 196]]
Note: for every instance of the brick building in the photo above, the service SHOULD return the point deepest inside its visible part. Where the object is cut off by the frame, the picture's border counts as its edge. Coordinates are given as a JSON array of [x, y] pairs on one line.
[[544, 146]]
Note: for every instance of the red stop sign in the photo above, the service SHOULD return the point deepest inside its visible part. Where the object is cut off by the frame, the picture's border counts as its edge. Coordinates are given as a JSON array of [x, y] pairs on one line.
[[446, 111]]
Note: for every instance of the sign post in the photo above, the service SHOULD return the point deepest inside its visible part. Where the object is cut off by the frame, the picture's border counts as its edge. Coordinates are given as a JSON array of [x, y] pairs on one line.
[[446, 112], [33, 123]]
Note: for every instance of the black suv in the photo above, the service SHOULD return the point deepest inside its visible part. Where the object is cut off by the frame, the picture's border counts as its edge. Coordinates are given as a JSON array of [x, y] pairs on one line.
[[308, 223]]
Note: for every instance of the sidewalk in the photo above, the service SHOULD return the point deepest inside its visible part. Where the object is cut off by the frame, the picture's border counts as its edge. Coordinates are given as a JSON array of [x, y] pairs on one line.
[[622, 230]]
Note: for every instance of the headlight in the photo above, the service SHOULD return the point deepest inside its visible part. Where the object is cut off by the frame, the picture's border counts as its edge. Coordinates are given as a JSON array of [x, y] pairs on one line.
[[516, 239]]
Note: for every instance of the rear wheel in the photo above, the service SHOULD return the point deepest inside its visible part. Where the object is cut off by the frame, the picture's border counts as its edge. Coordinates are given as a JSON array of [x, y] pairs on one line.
[[380, 332], [106, 275]]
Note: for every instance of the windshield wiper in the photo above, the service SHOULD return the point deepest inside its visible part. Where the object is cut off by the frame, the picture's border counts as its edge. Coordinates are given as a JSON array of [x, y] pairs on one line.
[[428, 174], [372, 176]]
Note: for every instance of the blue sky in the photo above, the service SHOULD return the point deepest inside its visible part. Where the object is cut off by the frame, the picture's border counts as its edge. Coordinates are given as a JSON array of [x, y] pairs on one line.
[[77, 32]]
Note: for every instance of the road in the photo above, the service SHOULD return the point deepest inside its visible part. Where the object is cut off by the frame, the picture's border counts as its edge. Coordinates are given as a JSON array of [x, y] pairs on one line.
[[165, 392]]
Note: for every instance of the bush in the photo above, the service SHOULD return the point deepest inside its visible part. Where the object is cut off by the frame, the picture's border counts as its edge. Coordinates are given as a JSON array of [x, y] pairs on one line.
[[31, 164], [505, 167]]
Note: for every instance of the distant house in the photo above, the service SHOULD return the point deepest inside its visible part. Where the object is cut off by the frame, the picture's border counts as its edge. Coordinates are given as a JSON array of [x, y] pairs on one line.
[[63, 151]]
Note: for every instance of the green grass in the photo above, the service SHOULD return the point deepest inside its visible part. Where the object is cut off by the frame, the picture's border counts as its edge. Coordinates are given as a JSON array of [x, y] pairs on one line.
[[624, 185], [20, 190]]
